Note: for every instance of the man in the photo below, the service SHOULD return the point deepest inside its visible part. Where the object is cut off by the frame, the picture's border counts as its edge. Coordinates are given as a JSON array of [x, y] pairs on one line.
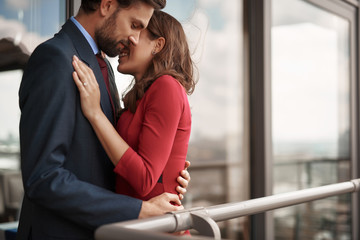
[[68, 178]]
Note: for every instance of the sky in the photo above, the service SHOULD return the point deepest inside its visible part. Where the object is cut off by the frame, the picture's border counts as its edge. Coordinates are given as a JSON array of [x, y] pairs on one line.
[[40, 16], [310, 77]]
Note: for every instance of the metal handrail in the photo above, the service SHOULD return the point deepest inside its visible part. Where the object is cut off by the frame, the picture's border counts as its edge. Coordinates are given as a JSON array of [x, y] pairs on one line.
[[203, 219]]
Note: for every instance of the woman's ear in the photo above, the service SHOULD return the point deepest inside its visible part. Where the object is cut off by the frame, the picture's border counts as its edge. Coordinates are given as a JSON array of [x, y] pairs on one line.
[[160, 43]]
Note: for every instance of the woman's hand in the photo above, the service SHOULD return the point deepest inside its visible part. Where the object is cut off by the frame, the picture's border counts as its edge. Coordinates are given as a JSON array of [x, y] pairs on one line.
[[183, 181], [89, 89]]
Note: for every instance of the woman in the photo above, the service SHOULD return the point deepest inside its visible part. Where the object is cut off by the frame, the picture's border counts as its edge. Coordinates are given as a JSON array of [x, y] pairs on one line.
[[150, 145]]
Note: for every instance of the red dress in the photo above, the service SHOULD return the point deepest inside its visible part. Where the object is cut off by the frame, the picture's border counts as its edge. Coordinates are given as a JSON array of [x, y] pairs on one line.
[[158, 135]]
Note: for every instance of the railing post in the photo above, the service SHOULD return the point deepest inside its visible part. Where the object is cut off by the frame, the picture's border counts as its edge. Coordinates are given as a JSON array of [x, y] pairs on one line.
[[200, 221], [356, 183], [205, 225]]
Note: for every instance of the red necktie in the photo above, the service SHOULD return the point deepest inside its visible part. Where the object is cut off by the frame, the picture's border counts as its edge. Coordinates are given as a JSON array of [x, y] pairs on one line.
[[105, 74]]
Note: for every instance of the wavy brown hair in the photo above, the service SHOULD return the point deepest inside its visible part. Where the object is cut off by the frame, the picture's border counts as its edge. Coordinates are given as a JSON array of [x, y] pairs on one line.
[[174, 59]]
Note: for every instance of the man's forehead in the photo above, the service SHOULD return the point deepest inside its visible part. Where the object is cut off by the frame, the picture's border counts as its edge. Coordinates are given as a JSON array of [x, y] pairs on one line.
[[139, 14]]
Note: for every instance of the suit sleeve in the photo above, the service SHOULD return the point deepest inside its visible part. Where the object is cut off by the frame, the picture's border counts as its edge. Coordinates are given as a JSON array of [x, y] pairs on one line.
[[163, 110], [48, 100]]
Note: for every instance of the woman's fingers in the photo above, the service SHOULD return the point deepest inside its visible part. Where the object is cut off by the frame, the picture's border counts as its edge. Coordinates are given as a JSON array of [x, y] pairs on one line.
[[76, 65], [79, 68], [85, 73], [86, 76], [88, 88], [187, 164], [78, 83]]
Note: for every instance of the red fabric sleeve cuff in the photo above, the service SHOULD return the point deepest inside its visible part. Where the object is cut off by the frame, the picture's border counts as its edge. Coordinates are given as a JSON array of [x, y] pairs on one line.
[[122, 167]]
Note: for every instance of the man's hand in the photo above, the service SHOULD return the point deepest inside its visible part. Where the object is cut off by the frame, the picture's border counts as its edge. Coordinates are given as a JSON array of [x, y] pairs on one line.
[[183, 180], [160, 205]]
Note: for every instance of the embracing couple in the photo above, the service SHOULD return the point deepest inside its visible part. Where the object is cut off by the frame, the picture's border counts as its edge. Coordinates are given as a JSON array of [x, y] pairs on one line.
[[85, 160]]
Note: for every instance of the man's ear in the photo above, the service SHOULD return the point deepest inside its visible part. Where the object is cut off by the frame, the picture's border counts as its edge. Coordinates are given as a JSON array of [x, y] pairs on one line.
[[105, 7]]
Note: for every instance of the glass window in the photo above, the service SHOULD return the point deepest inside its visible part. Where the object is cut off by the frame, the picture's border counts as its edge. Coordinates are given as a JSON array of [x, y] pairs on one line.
[[30, 22], [310, 67], [9, 127], [23, 25]]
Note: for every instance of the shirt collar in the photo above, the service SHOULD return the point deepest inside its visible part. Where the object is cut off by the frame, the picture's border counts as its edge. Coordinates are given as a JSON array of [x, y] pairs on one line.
[[86, 35]]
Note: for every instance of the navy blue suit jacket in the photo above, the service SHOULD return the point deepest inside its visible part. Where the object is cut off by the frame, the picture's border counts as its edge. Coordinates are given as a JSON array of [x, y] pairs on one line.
[[68, 178]]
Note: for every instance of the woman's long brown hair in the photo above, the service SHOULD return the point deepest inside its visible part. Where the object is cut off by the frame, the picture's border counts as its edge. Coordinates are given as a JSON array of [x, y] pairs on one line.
[[174, 59]]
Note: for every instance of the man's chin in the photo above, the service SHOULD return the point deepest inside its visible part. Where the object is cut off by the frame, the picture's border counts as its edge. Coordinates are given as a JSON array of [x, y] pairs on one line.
[[111, 54]]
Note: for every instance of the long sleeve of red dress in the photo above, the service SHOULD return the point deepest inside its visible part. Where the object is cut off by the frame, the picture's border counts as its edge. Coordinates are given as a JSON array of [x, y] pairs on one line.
[[158, 135]]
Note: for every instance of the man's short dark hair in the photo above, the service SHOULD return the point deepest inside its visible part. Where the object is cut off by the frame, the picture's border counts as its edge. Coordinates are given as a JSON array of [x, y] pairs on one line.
[[91, 5]]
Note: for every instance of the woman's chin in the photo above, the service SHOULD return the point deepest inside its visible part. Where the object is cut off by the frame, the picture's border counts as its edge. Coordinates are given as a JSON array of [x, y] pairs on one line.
[[122, 69]]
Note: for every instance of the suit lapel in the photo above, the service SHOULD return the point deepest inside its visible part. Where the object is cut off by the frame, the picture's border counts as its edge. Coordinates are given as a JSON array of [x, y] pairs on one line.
[[85, 54]]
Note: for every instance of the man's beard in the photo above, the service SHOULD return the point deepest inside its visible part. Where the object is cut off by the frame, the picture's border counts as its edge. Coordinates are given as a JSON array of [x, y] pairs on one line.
[[103, 37]]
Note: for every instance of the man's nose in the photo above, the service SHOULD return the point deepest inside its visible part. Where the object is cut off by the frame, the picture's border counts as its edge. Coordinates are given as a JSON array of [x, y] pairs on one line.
[[134, 39]]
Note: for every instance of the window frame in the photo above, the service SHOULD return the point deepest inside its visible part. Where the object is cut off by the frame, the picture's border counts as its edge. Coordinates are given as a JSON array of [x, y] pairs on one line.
[[259, 27]]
